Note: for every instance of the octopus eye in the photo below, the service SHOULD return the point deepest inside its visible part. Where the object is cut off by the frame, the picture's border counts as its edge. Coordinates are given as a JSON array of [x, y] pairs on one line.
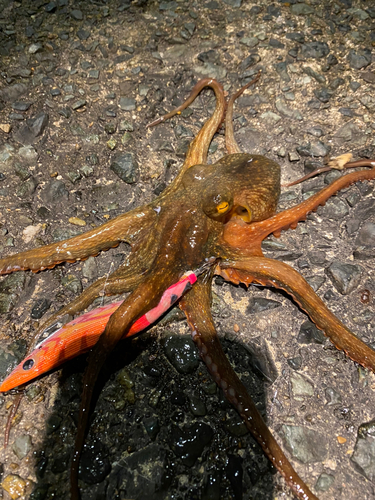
[[28, 364], [222, 208], [216, 206]]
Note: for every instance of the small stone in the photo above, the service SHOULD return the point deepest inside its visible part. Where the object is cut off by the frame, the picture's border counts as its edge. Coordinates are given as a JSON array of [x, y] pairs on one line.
[[40, 307], [250, 42], [76, 14], [90, 268], [29, 233], [22, 446], [35, 47], [126, 167], [127, 103], [15, 486], [72, 283], [332, 396], [310, 334], [182, 353], [315, 50], [302, 9], [33, 129], [5, 127], [366, 235], [359, 59], [77, 222], [111, 144], [86, 170], [301, 386], [324, 482], [341, 440], [306, 445], [261, 304], [285, 110], [110, 127], [94, 74], [152, 427], [188, 442], [295, 362], [345, 277], [54, 192], [79, 104], [335, 209], [270, 117], [21, 106], [276, 44]]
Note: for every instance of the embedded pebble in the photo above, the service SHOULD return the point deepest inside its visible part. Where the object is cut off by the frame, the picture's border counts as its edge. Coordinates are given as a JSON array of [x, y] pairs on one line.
[[33, 129], [310, 334], [335, 209], [76, 221], [7, 360], [359, 59], [295, 363], [72, 283], [324, 482], [332, 396], [363, 457], [40, 307], [366, 235], [22, 445], [30, 232], [152, 427], [125, 167], [15, 486], [55, 192], [197, 406], [305, 445], [300, 385], [90, 268], [260, 304], [182, 353], [315, 50], [345, 277]]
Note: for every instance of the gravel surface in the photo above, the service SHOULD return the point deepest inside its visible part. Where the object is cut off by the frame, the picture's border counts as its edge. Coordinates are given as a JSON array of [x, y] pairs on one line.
[[79, 82]]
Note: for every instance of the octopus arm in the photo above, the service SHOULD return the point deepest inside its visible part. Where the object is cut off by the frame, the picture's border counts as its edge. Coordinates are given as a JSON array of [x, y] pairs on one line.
[[126, 227], [196, 305], [248, 237], [277, 274]]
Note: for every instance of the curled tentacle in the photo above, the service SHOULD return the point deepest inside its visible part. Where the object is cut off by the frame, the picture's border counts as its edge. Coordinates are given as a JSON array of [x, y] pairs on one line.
[[123, 228], [246, 238], [230, 142], [196, 306], [277, 274], [198, 149], [340, 163]]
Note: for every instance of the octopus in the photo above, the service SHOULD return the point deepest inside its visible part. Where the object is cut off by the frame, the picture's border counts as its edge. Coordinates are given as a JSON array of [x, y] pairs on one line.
[[211, 215]]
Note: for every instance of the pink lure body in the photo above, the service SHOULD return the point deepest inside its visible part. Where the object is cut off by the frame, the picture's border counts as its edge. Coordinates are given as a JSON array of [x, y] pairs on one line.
[[79, 335]]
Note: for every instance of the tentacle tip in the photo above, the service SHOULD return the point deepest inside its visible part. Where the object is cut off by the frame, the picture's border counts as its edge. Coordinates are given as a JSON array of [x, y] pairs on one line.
[[155, 122]]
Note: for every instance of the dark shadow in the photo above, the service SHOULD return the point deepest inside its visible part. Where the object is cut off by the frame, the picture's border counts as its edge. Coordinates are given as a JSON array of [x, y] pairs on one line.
[[156, 433]]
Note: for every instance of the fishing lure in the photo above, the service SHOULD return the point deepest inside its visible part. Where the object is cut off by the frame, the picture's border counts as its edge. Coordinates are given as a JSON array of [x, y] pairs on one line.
[[67, 341]]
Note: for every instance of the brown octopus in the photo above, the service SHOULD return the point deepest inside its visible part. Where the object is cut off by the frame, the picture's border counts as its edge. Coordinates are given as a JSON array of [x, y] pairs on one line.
[[217, 214]]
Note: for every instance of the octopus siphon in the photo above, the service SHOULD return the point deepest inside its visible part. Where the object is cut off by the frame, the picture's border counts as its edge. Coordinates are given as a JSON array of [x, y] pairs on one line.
[[211, 215]]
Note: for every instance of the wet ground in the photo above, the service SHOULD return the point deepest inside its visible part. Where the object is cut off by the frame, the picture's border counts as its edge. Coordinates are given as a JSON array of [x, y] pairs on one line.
[[80, 81]]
